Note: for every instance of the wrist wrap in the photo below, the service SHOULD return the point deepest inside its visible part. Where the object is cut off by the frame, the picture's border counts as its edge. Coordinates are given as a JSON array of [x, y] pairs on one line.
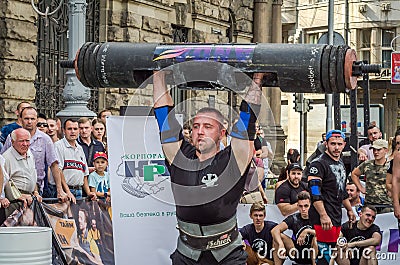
[[245, 127], [170, 129], [315, 189]]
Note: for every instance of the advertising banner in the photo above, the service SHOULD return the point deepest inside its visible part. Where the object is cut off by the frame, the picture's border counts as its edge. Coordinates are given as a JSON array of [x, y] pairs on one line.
[[395, 67]]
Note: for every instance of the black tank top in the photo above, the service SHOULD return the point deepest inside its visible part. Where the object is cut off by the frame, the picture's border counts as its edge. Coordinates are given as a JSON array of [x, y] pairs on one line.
[[206, 192]]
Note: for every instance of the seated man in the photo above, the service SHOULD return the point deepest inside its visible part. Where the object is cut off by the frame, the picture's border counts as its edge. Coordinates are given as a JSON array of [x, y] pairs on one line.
[[357, 242], [286, 194], [302, 247], [356, 201], [257, 236]]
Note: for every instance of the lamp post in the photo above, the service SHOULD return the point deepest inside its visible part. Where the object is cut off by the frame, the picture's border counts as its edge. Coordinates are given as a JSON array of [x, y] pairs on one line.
[[75, 94]]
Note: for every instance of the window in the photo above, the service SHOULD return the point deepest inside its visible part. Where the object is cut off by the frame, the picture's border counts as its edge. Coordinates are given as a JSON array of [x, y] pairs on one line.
[[387, 37], [364, 45], [313, 38]]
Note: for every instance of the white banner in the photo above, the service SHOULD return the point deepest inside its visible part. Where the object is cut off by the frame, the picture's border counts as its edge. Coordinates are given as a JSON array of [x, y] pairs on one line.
[[143, 211]]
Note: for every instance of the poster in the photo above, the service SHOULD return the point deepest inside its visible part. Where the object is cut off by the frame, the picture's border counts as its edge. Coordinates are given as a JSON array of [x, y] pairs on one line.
[[395, 68]]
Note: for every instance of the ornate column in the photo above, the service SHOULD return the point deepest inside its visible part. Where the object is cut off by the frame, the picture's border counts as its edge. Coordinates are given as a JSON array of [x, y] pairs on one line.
[[75, 94]]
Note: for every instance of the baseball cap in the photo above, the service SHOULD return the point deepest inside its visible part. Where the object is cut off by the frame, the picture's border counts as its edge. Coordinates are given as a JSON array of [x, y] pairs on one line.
[[337, 133], [379, 144], [100, 154], [294, 166]]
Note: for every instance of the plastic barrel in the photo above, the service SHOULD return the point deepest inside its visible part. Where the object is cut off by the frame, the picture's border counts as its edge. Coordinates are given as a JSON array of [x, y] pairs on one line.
[[25, 245]]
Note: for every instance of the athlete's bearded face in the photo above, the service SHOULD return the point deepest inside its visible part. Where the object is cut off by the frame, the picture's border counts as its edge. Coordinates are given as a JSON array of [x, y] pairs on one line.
[[334, 146], [295, 177], [207, 132]]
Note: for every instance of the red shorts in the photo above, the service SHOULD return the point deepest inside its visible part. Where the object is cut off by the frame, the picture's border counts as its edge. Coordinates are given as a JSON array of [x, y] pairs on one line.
[[327, 236]]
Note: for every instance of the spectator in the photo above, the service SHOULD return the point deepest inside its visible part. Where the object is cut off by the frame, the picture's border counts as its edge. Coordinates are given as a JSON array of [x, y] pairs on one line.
[[43, 152], [7, 129], [327, 185], [257, 236], [20, 167], [394, 170], [99, 132], [42, 123], [99, 179], [303, 239], [89, 145], [72, 161], [322, 142], [226, 138], [266, 150], [4, 202], [361, 240], [286, 194], [283, 175], [364, 152], [292, 156], [375, 177], [355, 199], [52, 129], [187, 133], [103, 115], [389, 173]]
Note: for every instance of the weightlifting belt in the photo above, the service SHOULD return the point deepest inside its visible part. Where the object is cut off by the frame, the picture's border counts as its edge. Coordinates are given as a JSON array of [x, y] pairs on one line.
[[209, 242], [221, 239]]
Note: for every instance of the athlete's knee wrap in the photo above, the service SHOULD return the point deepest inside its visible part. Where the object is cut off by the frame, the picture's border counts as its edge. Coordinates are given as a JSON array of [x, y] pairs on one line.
[[245, 128], [170, 129], [315, 189]]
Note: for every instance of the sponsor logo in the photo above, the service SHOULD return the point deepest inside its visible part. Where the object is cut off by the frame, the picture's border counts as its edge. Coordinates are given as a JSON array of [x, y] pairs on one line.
[[313, 170], [210, 180]]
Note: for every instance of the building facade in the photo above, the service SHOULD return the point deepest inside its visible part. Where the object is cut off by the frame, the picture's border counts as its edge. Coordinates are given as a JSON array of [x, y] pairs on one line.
[[366, 26]]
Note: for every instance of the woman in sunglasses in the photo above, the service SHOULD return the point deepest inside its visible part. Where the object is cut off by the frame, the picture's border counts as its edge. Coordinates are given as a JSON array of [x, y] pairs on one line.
[[42, 123]]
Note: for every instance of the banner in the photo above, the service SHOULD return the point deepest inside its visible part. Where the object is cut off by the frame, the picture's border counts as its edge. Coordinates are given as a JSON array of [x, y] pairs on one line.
[[144, 218], [82, 232], [395, 68]]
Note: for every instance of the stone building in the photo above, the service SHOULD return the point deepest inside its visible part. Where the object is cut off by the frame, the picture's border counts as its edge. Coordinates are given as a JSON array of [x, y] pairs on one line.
[[368, 27], [32, 45]]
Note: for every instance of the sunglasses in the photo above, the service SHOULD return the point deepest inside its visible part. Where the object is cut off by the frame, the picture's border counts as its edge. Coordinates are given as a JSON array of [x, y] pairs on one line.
[[42, 124]]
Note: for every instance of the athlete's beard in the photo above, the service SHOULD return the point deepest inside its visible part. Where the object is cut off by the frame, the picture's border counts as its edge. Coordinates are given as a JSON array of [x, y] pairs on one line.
[[294, 185]]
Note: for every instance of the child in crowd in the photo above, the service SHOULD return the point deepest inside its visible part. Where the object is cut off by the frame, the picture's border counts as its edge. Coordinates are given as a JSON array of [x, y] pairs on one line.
[[99, 179]]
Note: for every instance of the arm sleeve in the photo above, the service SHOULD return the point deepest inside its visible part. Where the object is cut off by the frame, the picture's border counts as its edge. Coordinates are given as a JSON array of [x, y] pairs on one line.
[[316, 170], [91, 180], [281, 195], [289, 221]]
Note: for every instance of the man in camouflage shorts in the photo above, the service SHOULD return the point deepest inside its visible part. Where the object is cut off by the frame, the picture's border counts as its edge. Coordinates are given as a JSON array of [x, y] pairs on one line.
[[375, 176]]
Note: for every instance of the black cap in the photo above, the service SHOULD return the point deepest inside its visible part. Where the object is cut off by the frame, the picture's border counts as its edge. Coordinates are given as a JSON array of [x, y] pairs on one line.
[[294, 166]]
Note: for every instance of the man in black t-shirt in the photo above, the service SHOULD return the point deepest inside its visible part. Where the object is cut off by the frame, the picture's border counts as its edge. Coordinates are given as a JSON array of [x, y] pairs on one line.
[[207, 182], [286, 194], [302, 247], [327, 185], [360, 240], [257, 236]]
